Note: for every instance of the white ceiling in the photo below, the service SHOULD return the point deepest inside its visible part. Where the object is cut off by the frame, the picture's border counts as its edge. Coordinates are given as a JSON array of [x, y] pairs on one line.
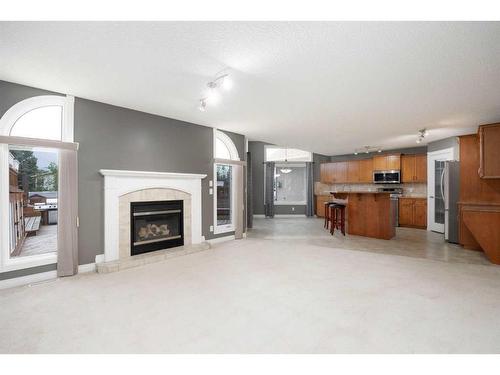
[[327, 87]]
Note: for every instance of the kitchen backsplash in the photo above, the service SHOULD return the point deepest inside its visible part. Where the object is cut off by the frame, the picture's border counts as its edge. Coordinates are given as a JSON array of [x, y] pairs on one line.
[[409, 189]]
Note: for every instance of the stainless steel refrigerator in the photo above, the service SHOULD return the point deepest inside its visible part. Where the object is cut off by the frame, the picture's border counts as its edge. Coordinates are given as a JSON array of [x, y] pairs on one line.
[[450, 191]]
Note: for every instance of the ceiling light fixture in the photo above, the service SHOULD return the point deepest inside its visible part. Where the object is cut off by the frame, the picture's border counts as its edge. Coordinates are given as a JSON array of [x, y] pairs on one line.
[[285, 170], [422, 133], [203, 105], [367, 149], [213, 96]]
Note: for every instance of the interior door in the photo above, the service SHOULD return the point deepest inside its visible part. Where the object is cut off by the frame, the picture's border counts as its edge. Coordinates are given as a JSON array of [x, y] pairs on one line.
[[435, 189]]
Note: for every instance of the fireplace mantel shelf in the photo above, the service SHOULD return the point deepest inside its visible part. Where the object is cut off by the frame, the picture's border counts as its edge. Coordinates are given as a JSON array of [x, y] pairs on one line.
[[123, 173]]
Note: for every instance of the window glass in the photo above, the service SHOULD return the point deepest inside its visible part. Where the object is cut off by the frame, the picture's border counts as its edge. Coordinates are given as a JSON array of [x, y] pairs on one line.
[[290, 184], [43, 122], [224, 198], [33, 193], [221, 150], [286, 154]]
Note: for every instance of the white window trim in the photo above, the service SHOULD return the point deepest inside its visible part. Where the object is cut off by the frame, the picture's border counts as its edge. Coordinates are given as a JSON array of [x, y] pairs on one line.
[[218, 229], [233, 151], [292, 203], [6, 123]]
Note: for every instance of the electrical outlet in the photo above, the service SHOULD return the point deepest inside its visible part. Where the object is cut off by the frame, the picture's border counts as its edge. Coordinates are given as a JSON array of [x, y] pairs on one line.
[[210, 183], [210, 191], [211, 228]]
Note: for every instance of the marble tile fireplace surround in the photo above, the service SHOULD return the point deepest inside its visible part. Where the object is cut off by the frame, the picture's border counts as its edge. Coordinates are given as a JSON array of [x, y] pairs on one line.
[[122, 188]]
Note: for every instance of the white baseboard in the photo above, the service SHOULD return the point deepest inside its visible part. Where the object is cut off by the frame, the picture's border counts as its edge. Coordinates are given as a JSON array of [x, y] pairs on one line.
[[99, 258], [221, 239], [29, 279], [259, 216], [84, 268]]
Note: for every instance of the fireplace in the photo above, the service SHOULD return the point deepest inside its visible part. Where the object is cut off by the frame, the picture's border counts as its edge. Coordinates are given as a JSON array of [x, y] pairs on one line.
[[156, 225]]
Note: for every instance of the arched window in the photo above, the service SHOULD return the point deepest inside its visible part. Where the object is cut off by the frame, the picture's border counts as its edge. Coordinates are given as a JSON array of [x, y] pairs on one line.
[[224, 147], [30, 174], [43, 122], [42, 117]]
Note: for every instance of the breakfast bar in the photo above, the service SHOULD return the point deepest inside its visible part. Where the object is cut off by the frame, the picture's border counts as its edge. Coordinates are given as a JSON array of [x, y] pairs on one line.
[[369, 214]]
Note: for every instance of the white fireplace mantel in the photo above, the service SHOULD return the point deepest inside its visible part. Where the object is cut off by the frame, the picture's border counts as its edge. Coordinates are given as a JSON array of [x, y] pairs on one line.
[[120, 182]]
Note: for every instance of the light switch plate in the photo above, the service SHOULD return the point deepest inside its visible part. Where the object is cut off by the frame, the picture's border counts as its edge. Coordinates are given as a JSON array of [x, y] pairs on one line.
[[211, 228], [210, 191]]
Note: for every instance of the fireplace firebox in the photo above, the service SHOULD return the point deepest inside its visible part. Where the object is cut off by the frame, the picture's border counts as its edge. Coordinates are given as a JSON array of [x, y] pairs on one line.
[[156, 225]]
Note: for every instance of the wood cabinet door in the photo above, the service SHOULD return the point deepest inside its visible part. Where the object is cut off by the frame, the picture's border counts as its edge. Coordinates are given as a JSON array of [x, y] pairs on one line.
[[408, 168], [420, 213], [489, 159], [323, 173], [421, 168], [327, 173], [393, 162], [353, 171], [320, 206], [340, 172], [366, 171], [406, 211], [379, 163]]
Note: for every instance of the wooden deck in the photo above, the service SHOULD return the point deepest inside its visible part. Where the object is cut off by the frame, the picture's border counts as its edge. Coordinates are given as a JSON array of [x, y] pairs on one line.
[[44, 242]]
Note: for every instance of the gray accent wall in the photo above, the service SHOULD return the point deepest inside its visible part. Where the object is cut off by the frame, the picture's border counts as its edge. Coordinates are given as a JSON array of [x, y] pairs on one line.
[[112, 137], [256, 148]]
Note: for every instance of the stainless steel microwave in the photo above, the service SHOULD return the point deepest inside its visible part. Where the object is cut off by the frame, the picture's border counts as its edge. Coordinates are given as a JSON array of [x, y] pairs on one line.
[[387, 177]]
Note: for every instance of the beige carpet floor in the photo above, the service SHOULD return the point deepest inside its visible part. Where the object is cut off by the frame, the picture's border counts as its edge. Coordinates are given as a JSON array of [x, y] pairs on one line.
[[262, 296]]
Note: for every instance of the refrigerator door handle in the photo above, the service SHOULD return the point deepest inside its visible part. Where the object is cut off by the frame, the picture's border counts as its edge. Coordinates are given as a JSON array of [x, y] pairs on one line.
[[442, 187]]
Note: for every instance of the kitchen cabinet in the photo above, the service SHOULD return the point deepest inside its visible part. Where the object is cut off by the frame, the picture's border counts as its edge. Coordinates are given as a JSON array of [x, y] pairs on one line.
[[387, 162], [340, 172], [489, 151], [333, 173], [366, 171], [320, 204], [413, 212], [414, 168], [353, 171], [324, 173]]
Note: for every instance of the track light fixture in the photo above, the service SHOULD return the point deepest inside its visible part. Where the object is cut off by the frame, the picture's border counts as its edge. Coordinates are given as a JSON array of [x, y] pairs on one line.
[[367, 149], [222, 81], [422, 133], [203, 105]]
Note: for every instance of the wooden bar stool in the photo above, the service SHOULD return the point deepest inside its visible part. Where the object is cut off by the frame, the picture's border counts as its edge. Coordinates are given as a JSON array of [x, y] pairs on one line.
[[337, 217], [327, 214]]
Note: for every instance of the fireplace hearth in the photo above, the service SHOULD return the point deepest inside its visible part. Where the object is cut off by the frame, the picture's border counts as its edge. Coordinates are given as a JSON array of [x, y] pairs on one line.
[[156, 225]]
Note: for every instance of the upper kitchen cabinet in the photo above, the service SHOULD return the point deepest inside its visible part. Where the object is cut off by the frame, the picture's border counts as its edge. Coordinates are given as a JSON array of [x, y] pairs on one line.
[[489, 151], [333, 173], [366, 171], [340, 172], [414, 168], [326, 173], [353, 171], [387, 162]]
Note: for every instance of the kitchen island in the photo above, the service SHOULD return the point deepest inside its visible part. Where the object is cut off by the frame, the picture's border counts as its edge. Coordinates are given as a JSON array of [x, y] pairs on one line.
[[370, 214]]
